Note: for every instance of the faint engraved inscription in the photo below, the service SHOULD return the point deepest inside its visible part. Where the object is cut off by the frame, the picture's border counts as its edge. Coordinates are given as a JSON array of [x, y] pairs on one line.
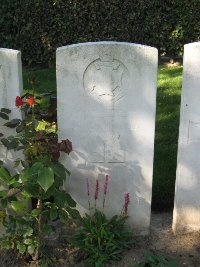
[[107, 147], [194, 132], [104, 78]]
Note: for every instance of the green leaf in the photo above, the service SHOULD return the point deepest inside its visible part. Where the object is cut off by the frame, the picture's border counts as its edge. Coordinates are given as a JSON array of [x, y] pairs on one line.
[[5, 110], [5, 175], [15, 184], [17, 206], [41, 125], [13, 144], [4, 203], [17, 162], [31, 189], [4, 116], [5, 142], [29, 232], [73, 213], [20, 128], [62, 198], [24, 175], [28, 241], [36, 167], [47, 229], [59, 170], [45, 178], [5, 244], [53, 214], [13, 123], [70, 201], [35, 212], [21, 248], [3, 193], [31, 249]]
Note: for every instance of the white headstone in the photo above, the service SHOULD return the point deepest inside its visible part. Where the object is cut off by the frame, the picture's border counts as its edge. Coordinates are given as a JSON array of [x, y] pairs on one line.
[[106, 107], [10, 87], [186, 215]]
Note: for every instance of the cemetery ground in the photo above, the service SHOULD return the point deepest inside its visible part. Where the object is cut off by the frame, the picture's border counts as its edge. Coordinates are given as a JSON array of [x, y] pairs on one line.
[[184, 249]]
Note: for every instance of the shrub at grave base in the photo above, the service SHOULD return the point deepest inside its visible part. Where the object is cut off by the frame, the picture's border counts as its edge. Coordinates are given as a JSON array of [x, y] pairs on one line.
[[41, 179], [26, 26], [101, 239]]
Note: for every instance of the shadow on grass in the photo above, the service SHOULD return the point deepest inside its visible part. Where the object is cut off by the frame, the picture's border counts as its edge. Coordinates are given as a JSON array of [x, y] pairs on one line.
[[166, 137]]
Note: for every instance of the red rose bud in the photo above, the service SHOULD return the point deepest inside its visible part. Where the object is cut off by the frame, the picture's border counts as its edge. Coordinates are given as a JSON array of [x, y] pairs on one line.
[[105, 188], [18, 101], [96, 190], [88, 186], [30, 101]]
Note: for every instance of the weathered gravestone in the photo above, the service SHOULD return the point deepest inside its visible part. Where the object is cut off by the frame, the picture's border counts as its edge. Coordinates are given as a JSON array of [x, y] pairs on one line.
[[10, 87], [186, 215], [106, 107]]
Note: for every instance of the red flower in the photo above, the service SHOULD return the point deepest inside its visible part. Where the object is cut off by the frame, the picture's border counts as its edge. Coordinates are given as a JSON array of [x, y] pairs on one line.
[[96, 190], [30, 101], [18, 101]]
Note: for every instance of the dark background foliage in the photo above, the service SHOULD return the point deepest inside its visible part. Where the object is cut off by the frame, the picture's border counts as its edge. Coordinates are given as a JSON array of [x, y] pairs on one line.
[[38, 27]]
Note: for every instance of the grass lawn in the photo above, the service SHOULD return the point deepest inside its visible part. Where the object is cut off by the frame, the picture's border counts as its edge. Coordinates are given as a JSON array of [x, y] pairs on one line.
[[167, 124], [166, 136]]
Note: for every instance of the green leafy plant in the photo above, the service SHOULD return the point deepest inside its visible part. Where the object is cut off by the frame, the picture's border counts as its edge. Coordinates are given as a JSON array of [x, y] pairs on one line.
[[101, 239], [167, 25], [38, 183], [156, 260]]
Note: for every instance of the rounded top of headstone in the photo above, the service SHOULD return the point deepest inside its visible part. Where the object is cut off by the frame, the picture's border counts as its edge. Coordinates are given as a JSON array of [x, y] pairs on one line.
[[107, 43], [11, 51], [194, 44]]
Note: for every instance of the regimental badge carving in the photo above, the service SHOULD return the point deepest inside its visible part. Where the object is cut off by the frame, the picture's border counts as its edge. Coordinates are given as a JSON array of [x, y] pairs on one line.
[[104, 78]]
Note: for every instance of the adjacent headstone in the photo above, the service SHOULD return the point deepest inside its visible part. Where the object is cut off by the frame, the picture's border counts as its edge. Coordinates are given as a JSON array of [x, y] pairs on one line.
[[186, 215], [106, 107], [10, 87]]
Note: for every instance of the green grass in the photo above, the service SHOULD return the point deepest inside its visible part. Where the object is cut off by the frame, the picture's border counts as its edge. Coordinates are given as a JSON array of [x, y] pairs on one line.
[[167, 125], [166, 136], [45, 80]]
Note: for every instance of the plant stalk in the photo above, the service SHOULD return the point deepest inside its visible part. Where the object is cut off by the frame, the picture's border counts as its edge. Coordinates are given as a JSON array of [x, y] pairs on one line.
[[39, 206]]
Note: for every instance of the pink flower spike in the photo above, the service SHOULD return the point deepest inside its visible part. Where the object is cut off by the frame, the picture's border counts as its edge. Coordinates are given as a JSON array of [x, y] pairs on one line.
[[96, 190], [106, 185], [126, 201], [88, 186]]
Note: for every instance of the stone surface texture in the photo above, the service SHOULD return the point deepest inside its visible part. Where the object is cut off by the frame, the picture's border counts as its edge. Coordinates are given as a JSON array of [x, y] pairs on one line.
[[106, 107], [186, 217], [10, 87]]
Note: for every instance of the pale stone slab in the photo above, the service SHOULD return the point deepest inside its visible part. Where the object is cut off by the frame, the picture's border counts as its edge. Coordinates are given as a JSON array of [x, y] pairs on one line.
[[106, 107], [186, 217], [10, 87]]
